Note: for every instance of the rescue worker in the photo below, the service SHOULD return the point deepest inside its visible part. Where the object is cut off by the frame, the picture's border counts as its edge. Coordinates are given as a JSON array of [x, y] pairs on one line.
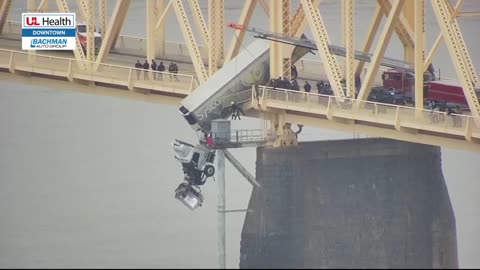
[[307, 87], [160, 69], [175, 71], [171, 70], [138, 66], [154, 69], [145, 68]]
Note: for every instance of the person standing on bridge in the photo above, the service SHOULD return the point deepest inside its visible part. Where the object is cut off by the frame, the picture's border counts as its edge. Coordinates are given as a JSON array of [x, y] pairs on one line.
[[175, 70], [154, 69], [138, 66], [171, 70], [160, 69], [307, 87], [146, 66]]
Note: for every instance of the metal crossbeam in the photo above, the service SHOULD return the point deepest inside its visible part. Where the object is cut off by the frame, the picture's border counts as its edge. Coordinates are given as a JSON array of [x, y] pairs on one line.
[[216, 52], [118, 17], [419, 23], [190, 40], [321, 38], [79, 55], [239, 35], [90, 31], [456, 53], [4, 9], [200, 22], [372, 30], [42, 6], [402, 27], [461, 43], [348, 33], [102, 14], [384, 39]]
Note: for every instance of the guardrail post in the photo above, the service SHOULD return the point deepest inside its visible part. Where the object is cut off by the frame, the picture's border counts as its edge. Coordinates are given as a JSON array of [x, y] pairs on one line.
[[191, 83], [11, 66], [468, 130], [397, 118], [69, 71], [286, 95], [329, 108], [130, 81]]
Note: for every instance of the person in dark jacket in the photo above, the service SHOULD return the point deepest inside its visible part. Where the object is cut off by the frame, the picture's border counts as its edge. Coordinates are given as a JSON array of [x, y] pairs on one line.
[[138, 66], [154, 68], [171, 70], [146, 66], [307, 87], [160, 68]]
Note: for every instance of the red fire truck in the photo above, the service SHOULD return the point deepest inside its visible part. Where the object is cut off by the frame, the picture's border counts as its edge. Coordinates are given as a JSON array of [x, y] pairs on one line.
[[437, 90]]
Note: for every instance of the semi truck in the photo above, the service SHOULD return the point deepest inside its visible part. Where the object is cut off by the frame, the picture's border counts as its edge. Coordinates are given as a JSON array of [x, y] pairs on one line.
[[403, 83], [82, 37]]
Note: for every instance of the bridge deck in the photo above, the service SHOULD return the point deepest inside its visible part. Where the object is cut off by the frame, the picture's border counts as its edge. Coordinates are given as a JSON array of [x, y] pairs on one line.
[[377, 119], [310, 109]]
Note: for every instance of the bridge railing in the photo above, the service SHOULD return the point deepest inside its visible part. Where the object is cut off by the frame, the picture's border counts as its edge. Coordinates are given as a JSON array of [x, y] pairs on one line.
[[104, 73], [374, 112]]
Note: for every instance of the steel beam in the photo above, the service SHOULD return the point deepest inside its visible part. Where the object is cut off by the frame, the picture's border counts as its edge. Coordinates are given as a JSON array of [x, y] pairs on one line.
[[82, 8], [160, 32], [116, 21], [239, 35], [276, 26], [468, 14], [319, 32], [78, 52], [428, 59], [102, 15], [384, 39], [298, 22], [90, 31], [5, 6], [216, 45], [42, 6], [199, 21], [265, 7], [220, 178], [419, 26], [161, 20], [402, 28], [409, 15], [372, 30], [31, 7], [190, 41], [150, 12], [242, 170], [461, 42], [451, 36], [348, 34]]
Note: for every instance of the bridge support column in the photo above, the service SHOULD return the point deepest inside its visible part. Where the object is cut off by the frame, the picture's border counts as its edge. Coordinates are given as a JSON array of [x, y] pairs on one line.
[[349, 204], [280, 131]]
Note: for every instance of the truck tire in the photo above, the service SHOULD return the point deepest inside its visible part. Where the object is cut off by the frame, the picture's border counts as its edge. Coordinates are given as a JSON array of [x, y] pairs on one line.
[[209, 170]]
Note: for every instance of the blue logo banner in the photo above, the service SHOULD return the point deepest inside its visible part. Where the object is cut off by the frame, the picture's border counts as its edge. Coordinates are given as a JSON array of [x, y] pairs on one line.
[[54, 32]]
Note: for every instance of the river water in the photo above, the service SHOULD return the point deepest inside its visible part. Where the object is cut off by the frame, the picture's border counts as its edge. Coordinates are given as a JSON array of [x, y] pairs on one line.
[[87, 181]]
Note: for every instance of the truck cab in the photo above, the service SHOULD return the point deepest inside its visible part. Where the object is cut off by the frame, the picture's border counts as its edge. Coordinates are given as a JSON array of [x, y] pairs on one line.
[[82, 36], [403, 83]]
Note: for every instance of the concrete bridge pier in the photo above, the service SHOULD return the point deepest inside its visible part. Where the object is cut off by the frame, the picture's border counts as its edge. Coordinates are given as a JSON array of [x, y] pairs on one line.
[[360, 203]]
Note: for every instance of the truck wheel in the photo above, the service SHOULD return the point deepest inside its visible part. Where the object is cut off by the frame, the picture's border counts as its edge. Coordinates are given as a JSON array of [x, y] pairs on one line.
[[209, 170]]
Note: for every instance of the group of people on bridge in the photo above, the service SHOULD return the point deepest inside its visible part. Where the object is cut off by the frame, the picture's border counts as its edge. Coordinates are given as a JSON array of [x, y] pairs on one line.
[[159, 70]]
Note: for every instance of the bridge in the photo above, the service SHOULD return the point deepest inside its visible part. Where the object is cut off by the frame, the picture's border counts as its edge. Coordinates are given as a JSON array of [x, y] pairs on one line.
[[200, 65], [114, 67]]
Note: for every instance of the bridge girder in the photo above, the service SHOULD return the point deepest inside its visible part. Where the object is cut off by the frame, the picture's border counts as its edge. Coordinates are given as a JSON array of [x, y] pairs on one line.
[[306, 16]]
